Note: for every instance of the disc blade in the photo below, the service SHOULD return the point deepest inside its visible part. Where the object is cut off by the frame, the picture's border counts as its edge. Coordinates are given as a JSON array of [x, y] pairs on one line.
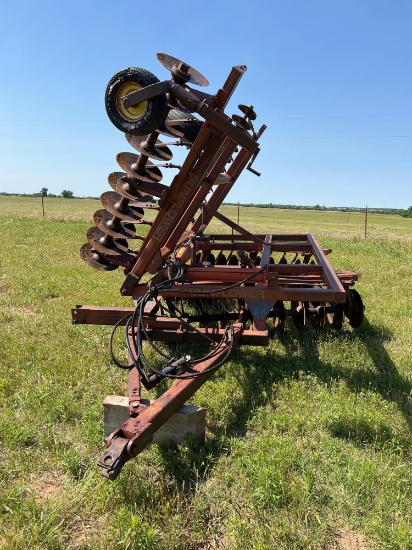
[[106, 244], [171, 62], [110, 200], [144, 188], [299, 316], [223, 178], [150, 172], [159, 151], [124, 188], [104, 221], [279, 319], [242, 122], [319, 318], [91, 257], [144, 205], [248, 111], [221, 259], [169, 131], [336, 319]]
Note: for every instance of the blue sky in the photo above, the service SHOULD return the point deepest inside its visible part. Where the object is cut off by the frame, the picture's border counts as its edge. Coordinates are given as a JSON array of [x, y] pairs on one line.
[[331, 79]]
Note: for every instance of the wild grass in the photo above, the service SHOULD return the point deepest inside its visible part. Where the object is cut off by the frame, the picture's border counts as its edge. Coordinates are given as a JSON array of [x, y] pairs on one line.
[[308, 442]]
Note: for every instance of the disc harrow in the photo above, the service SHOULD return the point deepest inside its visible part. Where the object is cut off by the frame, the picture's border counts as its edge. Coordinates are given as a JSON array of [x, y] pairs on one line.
[[218, 291]]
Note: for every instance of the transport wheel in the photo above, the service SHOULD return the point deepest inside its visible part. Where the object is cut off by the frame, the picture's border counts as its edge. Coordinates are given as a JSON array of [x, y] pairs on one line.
[[182, 124], [354, 308], [140, 119]]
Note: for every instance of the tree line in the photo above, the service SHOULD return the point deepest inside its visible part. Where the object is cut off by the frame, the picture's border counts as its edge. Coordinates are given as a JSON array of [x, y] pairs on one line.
[[67, 194], [44, 192], [396, 211]]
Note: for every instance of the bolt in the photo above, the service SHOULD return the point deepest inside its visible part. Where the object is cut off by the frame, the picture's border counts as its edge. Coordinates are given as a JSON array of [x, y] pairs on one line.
[[153, 262]]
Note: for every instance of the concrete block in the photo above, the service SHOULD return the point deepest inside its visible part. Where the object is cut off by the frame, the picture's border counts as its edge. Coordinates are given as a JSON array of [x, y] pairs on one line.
[[186, 420]]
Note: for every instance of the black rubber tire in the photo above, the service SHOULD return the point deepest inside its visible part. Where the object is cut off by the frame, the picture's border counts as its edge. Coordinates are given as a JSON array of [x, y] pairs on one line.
[[156, 110], [189, 129], [355, 311]]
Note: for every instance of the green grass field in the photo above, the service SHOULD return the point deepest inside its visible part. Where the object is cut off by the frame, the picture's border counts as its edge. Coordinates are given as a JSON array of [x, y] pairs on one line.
[[308, 442]]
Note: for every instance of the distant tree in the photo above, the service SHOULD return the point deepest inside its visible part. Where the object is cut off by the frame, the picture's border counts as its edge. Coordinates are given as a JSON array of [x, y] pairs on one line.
[[44, 191], [407, 213], [67, 194]]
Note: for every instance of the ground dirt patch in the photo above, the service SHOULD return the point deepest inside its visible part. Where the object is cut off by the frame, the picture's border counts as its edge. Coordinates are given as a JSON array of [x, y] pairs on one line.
[[345, 539], [85, 532], [22, 311], [45, 487]]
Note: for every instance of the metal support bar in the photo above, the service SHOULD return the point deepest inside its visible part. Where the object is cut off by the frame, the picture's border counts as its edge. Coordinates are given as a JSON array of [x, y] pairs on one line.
[[234, 226], [148, 92], [267, 250], [136, 433]]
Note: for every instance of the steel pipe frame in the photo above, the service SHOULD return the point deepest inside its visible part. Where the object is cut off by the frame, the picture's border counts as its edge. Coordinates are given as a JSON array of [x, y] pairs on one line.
[[284, 282], [163, 329]]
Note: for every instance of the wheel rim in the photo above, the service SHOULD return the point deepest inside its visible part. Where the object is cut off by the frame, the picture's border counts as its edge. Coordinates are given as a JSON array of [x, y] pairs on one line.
[[134, 113]]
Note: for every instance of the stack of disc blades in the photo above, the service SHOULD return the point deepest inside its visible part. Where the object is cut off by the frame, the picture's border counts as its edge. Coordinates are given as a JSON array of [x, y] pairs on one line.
[[124, 208], [133, 192]]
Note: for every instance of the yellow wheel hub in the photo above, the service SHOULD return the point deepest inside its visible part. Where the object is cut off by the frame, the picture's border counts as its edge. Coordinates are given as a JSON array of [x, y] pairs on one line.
[[130, 113]]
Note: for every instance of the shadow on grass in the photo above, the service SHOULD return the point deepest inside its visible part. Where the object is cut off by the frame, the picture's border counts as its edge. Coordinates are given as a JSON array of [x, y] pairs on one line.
[[383, 379], [256, 373]]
